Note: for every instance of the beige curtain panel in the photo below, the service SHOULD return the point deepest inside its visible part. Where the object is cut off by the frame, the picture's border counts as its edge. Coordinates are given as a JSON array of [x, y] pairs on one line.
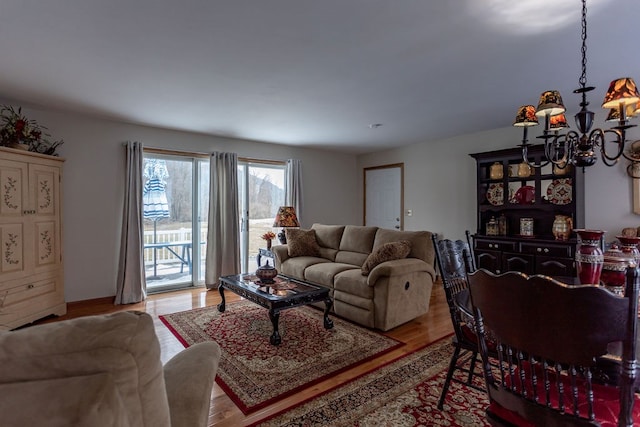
[[131, 286], [223, 235]]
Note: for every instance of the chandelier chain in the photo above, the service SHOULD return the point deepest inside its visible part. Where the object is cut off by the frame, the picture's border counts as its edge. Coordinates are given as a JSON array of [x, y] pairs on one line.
[[583, 76]]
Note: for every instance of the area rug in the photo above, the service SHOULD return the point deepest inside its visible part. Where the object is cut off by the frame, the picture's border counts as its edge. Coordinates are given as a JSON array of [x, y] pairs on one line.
[[403, 393], [255, 373]]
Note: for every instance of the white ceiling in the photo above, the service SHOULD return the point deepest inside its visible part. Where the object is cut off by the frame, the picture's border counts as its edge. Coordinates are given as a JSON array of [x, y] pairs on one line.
[[312, 72]]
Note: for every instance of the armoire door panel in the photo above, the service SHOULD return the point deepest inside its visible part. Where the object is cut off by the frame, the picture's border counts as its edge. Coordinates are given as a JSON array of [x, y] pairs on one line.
[[12, 241]]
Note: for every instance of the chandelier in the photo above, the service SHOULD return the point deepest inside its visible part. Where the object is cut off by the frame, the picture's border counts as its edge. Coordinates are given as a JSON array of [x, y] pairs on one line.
[[579, 148]]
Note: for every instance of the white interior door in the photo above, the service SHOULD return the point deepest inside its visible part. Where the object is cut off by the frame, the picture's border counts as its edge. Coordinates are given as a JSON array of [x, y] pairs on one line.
[[384, 197]]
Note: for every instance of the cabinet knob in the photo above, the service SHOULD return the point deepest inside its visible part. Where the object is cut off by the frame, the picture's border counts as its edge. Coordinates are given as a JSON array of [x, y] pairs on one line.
[[546, 250], [31, 286]]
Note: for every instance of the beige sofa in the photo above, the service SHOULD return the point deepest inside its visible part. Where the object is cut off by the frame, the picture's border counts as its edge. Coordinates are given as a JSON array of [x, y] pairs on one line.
[[392, 293], [102, 371]]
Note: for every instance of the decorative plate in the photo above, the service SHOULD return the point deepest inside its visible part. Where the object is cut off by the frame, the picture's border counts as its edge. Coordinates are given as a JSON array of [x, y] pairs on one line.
[[559, 191], [495, 194], [525, 195]]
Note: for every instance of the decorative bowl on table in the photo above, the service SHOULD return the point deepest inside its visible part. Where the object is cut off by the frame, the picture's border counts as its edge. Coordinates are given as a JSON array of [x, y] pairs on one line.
[[266, 273]]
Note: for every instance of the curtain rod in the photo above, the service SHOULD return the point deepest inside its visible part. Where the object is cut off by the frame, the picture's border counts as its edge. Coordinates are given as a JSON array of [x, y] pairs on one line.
[[198, 154]]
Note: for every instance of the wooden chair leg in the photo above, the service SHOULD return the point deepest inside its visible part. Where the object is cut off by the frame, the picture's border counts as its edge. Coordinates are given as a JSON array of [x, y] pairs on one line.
[[447, 381], [472, 366]]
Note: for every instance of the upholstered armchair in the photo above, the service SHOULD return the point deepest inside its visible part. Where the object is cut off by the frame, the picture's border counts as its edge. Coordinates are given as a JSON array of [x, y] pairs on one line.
[[102, 370]]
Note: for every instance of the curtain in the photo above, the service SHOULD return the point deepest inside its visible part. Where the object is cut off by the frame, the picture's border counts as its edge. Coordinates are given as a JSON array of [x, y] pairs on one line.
[[223, 234], [131, 285], [293, 190]]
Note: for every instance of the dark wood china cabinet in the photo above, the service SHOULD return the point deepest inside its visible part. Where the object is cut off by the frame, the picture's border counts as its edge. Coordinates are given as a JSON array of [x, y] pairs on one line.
[[516, 209]]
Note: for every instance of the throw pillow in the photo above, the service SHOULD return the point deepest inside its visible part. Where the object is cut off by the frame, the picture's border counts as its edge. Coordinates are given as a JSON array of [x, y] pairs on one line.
[[301, 242], [386, 252]]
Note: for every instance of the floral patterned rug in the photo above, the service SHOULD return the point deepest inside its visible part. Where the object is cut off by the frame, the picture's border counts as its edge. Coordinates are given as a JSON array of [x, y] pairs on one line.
[[403, 393], [255, 373]]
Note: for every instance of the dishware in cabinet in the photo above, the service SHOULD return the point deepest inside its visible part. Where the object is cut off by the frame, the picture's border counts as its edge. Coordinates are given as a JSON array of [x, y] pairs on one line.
[[536, 195]]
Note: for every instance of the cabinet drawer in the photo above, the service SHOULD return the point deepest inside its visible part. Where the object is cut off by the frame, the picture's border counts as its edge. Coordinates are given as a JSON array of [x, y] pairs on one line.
[[489, 260], [27, 291], [517, 262], [555, 267], [29, 299], [546, 249], [499, 245]]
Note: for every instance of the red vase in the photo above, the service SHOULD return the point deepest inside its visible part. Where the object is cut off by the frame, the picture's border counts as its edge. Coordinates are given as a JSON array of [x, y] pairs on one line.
[[589, 256], [614, 270], [629, 246]]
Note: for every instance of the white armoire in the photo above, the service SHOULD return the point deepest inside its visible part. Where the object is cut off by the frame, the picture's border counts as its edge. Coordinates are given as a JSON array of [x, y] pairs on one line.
[[31, 271]]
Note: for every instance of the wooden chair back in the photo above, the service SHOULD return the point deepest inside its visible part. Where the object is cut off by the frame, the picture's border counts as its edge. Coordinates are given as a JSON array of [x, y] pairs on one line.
[[450, 257], [549, 336]]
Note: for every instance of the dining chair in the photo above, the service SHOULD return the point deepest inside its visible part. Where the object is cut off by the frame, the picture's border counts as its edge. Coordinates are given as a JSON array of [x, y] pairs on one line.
[[548, 337], [450, 257]]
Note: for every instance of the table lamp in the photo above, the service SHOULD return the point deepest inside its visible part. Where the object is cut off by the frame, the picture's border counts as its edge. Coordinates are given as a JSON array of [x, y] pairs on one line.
[[286, 217]]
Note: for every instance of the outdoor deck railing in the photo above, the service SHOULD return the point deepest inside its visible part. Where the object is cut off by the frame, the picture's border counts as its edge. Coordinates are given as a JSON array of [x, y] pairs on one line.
[[164, 255]]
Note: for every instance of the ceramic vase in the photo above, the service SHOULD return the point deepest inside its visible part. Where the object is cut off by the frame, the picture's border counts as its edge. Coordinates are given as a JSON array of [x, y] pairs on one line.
[[629, 246], [18, 146], [614, 270], [562, 227], [589, 256]]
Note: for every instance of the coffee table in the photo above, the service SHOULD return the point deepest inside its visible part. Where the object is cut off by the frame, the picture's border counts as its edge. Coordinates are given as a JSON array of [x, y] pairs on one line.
[[284, 293]]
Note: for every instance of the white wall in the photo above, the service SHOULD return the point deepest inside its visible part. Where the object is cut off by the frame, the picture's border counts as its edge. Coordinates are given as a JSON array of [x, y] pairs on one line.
[[440, 179], [439, 186], [93, 182]]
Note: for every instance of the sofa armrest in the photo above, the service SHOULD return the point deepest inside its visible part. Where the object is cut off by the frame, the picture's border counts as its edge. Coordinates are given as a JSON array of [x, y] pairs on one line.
[[398, 267], [189, 377], [280, 253]]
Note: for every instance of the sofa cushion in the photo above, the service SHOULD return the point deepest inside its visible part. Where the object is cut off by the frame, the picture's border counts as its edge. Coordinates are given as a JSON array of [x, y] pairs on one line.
[[324, 273], [357, 238], [386, 252], [421, 244], [295, 267], [122, 344], [328, 253], [89, 400], [302, 242], [353, 258], [328, 236]]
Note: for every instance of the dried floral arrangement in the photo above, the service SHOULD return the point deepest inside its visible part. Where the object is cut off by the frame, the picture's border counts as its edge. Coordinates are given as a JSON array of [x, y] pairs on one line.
[[269, 235], [18, 131]]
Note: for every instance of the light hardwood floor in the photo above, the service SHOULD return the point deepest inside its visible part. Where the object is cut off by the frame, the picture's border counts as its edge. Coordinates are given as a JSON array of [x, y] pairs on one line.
[[426, 329]]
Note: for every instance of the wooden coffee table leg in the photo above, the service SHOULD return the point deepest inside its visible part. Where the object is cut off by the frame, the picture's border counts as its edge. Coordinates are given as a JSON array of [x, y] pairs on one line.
[[275, 337], [221, 306], [328, 323]]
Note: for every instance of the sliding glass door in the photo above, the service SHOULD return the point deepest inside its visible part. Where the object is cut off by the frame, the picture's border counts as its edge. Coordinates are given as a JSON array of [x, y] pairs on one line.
[[261, 192], [175, 207]]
